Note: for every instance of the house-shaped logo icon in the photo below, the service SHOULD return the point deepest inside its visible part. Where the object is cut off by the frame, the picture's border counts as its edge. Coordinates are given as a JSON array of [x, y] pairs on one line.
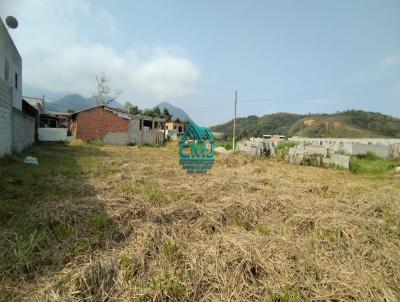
[[196, 149]]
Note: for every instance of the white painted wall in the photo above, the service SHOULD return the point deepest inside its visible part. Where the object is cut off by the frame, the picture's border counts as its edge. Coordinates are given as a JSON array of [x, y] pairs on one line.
[[5, 119], [52, 134], [10, 56]]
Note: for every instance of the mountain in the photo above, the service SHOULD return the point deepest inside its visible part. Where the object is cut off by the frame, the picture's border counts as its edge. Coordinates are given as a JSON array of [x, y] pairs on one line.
[[351, 123], [175, 111], [75, 102]]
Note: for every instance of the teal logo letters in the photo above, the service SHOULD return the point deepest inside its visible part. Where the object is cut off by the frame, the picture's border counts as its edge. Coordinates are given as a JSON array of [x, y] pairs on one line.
[[196, 149]]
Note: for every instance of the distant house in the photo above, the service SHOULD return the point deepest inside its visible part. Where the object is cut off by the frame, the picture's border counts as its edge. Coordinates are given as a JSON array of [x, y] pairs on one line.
[[52, 126], [96, 123], [220, 135], [172, 134], [179, 127], [116, 126], [274, 138]]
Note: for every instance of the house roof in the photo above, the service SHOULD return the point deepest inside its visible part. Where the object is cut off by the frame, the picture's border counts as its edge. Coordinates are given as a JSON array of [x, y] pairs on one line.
[[199, 133], [139, 116], [104, 106], [56, 113], [34, 101]]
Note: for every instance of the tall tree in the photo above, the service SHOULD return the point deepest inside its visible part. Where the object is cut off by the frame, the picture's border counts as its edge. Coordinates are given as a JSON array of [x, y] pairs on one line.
[[102, 94]]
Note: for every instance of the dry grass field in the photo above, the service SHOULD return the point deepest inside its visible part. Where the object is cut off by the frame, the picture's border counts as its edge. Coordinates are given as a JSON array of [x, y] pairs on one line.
[[104, 223]]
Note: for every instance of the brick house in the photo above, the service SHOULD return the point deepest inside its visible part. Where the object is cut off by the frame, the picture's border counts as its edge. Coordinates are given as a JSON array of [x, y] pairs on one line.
[[178, 127], [95, 123]]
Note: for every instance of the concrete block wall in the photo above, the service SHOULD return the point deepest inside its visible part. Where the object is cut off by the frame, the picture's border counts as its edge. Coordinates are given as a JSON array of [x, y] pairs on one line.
[[117, 138], [317, 155], [384, 147], [149, 137], [257, 146]]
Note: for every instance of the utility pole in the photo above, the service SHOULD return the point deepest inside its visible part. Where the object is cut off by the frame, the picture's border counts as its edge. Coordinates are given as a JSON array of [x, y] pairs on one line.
[[234, 124]]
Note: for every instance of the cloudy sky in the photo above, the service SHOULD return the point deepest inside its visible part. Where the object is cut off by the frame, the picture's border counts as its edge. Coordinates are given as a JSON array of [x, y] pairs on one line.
[[294, 56]]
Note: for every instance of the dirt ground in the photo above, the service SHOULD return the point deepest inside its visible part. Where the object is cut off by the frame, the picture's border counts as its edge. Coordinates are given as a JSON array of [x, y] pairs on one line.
[[104, 223]]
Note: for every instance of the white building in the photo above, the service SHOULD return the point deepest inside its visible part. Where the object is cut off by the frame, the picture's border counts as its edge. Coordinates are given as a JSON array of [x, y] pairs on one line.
[[17, 119], [11, 65]]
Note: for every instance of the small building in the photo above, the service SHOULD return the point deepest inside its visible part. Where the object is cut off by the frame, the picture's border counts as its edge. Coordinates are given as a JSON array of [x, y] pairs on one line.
[[274, 138], [52, 126], [52, 119], [117, 126], [179, 127], [147, 130], [96, 123]]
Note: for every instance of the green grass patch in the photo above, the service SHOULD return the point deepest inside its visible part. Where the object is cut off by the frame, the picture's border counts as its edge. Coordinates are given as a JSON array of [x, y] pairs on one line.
[[128, 267], [169, 286], [370, 164], [150, 190], [99, 222], [227, 145], [283, 148], [24, 249], [286, 145], [242, 222], [171, 250], [262, 228]]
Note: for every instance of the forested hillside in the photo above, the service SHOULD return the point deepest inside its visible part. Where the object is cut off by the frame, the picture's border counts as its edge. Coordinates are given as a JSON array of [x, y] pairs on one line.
[[352, 123]]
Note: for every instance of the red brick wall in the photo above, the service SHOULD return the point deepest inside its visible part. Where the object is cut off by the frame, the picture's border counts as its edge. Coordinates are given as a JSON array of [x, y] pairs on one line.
[[94, 124]]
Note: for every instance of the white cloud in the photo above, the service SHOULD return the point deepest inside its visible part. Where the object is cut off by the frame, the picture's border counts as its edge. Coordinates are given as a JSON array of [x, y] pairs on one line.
[[391, 60], [166, 77], [58, 55]]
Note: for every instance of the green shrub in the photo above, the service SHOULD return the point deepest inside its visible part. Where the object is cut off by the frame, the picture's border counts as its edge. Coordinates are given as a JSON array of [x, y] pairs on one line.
[[370, 163], [283, 148], [286, 145], [227, 145]]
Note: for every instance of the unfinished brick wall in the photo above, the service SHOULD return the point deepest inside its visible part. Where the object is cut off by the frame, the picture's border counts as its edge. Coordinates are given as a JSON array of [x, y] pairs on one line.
[[95, 124]]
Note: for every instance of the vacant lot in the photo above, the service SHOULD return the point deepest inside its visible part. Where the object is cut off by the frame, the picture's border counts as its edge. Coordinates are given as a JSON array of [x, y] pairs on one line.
[[96, 222]]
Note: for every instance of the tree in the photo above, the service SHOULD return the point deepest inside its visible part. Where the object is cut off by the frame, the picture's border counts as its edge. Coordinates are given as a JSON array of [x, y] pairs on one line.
[[157, 111], [103, 90], [177, 120], [127, 105], [132, 109], [70, 111]]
